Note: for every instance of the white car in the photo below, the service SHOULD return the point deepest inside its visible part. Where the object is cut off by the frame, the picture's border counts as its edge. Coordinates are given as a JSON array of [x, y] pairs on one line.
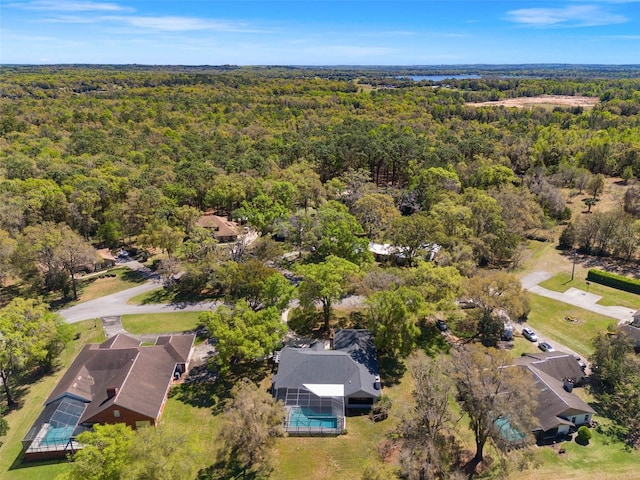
[[529, 334]]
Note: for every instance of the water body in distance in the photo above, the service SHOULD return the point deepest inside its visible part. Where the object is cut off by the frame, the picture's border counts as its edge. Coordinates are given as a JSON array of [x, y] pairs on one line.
[[438, 78]]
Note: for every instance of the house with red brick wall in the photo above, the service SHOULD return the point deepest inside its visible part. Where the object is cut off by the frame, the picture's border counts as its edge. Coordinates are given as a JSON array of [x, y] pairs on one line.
[[117, 381]]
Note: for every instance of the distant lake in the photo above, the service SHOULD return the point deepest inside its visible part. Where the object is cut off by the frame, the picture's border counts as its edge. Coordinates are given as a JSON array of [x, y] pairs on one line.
[[438, 78]]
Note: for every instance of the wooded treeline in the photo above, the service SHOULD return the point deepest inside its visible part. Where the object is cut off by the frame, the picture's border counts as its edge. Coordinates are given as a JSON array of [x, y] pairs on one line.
[[129, 152]]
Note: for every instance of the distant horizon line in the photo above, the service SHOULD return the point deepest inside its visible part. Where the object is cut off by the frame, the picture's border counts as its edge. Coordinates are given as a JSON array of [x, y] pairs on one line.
[[346, 65]]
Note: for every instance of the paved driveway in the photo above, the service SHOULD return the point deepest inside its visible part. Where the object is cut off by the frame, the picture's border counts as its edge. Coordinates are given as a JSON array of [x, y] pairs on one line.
[[115, 305], [576, 297]]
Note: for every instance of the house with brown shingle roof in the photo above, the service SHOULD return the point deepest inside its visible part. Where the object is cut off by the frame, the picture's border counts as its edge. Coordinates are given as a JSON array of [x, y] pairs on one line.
[[223, 230], [117, 381]]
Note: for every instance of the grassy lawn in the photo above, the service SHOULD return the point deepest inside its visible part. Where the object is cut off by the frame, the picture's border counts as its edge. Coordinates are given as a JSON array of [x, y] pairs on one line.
[[31, 399], [599, 460], [345, 456], [610, 296], [162, 295], [548, 317], [101, 285], [160, 322], [157, 295]]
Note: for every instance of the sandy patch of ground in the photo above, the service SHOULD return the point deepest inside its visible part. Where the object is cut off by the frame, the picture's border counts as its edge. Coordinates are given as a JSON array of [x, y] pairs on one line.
[[561, 100]]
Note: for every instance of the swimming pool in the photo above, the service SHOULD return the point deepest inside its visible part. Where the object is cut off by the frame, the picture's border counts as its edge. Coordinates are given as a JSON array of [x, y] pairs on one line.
[[305, 417], [57, 436]]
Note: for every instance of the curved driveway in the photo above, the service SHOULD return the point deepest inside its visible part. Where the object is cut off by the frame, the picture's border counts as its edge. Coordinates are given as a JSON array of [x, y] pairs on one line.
[[116, 305]]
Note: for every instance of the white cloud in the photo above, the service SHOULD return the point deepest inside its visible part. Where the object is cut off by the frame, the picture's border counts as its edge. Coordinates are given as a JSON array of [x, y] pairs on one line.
[[70, 6], [571, 16], [181, 24]]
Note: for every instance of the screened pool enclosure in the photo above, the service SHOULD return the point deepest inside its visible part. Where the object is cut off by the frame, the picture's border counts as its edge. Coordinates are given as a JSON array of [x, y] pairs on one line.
[[56, 428], [313, 409]]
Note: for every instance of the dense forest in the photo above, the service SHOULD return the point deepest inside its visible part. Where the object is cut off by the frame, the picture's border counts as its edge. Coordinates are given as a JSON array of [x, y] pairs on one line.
[[117, 153], [316, 163]]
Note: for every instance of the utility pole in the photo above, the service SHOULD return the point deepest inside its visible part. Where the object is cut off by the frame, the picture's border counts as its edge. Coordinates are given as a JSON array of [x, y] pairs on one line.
[[573, 269]]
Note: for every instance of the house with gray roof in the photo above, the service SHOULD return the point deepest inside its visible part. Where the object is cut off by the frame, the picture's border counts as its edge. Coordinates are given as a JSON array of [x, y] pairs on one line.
[[559, 365], [320, 387], [117, 381], [632, 329], [559, 410]]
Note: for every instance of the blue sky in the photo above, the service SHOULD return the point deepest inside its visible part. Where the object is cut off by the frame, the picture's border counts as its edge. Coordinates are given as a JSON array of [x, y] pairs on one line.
[[427, 32]]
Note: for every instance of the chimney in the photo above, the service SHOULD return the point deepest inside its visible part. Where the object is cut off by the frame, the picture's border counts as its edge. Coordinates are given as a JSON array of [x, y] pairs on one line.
[[112, 392], [568, 384]]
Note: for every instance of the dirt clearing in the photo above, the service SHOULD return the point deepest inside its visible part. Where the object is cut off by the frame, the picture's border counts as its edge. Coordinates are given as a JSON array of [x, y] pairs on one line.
[[560, 100]]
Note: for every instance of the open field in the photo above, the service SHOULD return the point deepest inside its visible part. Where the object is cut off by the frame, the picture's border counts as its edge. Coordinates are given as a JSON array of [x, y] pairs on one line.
[[542, 100], [160, 322]]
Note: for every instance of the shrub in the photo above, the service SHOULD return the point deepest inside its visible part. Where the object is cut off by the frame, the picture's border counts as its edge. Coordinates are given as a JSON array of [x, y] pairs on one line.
[[615, 281], [380, 409], [584, 434]]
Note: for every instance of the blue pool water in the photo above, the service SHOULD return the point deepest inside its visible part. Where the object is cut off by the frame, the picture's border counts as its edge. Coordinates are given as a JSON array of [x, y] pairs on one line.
[[57, 436], [305, 417]]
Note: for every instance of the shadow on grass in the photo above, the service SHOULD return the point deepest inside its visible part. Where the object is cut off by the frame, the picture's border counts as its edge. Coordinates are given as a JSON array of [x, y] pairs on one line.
[[8, 293], [19, 463], [229, 470], [132, 276], [158, 296], [432, 341], [204, 388], [392, 369], [306, 324]]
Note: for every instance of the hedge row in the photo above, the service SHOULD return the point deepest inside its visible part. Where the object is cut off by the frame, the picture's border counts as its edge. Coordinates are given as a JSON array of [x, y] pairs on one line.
[[616, 281]]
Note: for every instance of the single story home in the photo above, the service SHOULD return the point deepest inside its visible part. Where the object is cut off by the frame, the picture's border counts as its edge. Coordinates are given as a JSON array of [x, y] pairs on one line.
[[319, 387], [105, 260], [224, 230], [559, 410], [117, 381], [632, 329], [559, 365]]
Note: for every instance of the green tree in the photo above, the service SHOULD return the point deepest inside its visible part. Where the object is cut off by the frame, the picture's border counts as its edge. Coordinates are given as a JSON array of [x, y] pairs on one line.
[[413, 235], [427, 450], [262, 212], [253, 422], [439, 286], [567, 238], [325, 283], [627, 174], [339, 233], [160, 453], [596, 185], [492, 292], [7, 248], [163, 236], [30, 335], [73, 254], [105, 454], [392, 317], [491, 392], [589, 202], [432, 184], [243, 334], [375, 211]]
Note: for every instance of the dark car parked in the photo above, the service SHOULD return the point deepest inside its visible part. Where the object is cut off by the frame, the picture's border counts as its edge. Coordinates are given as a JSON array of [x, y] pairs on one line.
[[442, 326]]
